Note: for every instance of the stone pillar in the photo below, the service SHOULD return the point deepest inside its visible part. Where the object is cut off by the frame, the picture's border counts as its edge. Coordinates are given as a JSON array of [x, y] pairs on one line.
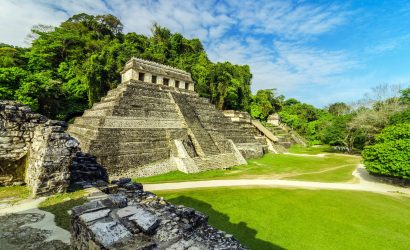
[[130, 74], [147, 77], [172, 82], [182, 85], [191, 86], [160, 80], [274, 119]]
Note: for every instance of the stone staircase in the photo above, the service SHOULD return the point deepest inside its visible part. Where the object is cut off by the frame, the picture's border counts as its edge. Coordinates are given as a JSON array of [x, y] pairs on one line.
[[249, 141], [285, 136], [190, 115]]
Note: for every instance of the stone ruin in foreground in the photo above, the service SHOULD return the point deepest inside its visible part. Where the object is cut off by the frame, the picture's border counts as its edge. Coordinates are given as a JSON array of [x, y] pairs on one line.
[[123, 216], [154, 122], [38, 152]]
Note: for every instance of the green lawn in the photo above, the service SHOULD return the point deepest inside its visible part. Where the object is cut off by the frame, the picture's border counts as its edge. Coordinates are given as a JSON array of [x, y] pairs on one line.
[[59, 205], [13, 194], [331, 168], [264, 218], [317, 149]]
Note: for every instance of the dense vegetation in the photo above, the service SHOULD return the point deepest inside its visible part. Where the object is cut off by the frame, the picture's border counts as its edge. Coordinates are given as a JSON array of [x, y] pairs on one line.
[[391, 154], [69, 67]]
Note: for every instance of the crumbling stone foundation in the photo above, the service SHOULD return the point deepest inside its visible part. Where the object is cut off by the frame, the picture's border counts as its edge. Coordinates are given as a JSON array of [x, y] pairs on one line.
[[129, 218], [37, 151]]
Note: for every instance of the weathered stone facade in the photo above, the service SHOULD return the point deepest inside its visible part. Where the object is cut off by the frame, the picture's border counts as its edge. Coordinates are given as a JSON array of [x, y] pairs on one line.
[[129, 218], [143, 128], [274, 119], [151, 72], [244, 121], [36, 151]]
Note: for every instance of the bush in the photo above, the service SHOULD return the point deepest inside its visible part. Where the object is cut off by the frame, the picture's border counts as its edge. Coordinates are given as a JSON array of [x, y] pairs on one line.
[[390, 156]]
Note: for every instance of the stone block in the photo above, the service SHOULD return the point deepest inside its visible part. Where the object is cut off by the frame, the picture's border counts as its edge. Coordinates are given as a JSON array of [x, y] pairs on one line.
[[145, 220], [109, 233], [95, 215]]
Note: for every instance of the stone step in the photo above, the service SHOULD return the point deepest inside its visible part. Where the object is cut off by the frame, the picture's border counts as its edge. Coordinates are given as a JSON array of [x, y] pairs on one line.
[[127, 147], [82, 130], [125, 162], [89, 121], [140, 103], [141, 122], [98, 112], [147, 113], [216, 161], [140, 99], [243, 139], [104, 105]]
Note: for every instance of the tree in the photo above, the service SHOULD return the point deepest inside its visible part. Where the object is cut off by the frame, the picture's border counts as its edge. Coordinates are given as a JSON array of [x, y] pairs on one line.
[[81, 59], [338, 108], [390, 155]]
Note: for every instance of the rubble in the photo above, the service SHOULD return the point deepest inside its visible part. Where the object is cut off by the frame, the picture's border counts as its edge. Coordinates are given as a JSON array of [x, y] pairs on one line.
[[130, 218]]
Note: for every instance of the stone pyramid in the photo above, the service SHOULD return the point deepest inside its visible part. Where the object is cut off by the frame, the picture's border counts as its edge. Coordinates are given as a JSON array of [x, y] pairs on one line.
[[154, 122]]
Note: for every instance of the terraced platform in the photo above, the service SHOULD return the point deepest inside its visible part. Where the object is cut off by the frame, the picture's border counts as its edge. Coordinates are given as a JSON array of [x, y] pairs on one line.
[[142, 129]]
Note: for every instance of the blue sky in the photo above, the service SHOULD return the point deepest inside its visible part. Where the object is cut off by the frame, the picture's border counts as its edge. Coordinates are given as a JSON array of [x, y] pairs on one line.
[[317, 51]]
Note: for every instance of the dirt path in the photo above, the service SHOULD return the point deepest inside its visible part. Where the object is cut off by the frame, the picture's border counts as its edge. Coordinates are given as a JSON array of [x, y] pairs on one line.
[[24, 226], [366, 183]]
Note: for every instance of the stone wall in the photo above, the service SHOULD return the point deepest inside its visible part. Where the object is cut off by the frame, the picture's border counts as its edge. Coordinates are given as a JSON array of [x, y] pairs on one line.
[[17, 126], [129, 218], [37, 151]]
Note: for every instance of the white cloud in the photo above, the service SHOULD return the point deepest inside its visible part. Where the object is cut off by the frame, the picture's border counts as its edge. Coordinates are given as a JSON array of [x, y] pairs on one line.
[[262, 34], [388, 45], [18, 17], [288, 19]]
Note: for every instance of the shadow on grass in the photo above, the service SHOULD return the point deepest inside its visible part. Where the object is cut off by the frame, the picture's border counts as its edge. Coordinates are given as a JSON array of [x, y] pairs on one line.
[[60, 209], [243, 233]]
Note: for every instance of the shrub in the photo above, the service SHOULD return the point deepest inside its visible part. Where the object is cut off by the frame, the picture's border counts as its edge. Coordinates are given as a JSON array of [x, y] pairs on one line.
[[396, 132], [390, 156]]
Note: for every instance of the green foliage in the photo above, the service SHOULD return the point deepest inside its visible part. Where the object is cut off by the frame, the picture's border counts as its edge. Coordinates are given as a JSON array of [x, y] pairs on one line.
[[393, 133], [307, 120], [70, 67], [405, 96], [390, 156], [339, 108], [400, 117], [262, 104]]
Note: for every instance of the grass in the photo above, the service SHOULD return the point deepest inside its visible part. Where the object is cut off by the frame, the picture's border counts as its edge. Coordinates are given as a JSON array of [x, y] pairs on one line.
[[317, 149], [331, 168], [14, 194], [59, 205], [263, 218]]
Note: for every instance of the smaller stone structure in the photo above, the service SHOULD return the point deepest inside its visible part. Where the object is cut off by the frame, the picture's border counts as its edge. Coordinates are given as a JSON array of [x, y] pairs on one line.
[[151, 72], [274, 119], [37, 151], [249, 149], [129, 218]]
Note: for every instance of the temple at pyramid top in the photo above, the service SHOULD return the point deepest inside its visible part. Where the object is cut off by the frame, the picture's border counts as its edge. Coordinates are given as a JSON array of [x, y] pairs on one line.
[[152, 72]]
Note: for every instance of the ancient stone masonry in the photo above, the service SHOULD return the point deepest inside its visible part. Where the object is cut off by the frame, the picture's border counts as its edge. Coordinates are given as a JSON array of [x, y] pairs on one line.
[[286, 136], [36, 151], [152, 72], [274, 135], [145, 128], [247, 146], [129, 218]]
